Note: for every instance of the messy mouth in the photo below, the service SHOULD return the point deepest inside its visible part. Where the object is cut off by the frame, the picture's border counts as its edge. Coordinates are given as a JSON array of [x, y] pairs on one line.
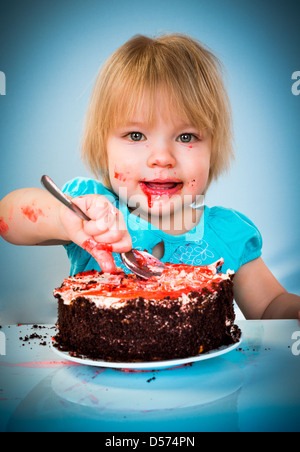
[[161, 185], [156, 189]]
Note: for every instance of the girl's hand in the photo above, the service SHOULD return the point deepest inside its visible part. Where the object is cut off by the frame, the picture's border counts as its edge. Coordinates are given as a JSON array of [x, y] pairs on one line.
[[260, 296], [105, 233]]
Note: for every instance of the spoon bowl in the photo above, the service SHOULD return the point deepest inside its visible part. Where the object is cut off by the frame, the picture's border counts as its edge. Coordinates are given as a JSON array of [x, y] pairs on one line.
[[142, 263]]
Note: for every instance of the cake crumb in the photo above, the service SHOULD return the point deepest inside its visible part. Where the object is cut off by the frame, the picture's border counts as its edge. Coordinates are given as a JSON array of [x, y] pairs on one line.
[[150, 379]]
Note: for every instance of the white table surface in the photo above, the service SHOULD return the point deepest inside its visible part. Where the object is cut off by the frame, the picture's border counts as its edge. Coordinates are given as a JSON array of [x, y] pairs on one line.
[[253, 388]]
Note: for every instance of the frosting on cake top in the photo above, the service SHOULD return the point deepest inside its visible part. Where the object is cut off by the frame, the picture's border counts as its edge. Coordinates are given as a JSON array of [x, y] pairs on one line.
[[108, 288]]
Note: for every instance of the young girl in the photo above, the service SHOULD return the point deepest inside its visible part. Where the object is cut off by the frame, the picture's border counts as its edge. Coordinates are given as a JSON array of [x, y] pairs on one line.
[[158, 131]]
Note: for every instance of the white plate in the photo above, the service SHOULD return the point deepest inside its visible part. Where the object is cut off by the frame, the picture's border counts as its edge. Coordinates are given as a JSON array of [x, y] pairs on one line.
[[147, 365]]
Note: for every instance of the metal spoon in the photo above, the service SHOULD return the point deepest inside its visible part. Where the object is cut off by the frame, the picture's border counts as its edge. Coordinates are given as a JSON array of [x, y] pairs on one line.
[[139, 262], [142, 263]]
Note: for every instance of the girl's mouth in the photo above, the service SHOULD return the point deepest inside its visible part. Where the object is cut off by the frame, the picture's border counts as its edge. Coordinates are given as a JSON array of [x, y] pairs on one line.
[[156, 188]]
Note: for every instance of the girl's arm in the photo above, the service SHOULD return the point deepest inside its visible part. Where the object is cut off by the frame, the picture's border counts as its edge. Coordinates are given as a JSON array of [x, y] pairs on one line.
[[31, 216], [34, 217], [260, 296]]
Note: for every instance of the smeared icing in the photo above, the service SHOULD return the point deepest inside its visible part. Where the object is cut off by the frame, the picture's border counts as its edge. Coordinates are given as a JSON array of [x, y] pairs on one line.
[[112, 290], [91, 246]]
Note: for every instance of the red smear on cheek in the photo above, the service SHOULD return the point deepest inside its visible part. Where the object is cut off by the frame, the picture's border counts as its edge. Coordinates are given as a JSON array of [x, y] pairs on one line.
[[120, 176], [31, 213], [3, 227]]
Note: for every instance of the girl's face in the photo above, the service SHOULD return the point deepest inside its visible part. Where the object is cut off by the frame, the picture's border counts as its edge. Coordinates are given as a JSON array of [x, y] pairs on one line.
[[159, 168]]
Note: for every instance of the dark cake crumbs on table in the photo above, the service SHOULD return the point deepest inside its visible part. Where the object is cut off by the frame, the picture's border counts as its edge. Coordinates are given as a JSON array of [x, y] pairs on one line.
[[118, 317]]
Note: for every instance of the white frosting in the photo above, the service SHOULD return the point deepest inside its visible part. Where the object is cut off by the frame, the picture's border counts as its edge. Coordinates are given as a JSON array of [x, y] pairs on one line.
[[102, 288]]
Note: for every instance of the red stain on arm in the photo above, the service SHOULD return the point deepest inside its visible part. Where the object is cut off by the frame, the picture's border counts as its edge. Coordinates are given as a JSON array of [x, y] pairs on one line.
[[3, 227], [32, 213]]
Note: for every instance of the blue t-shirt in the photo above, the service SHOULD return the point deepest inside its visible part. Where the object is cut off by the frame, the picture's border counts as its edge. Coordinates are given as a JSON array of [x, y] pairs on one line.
[[220, 233]]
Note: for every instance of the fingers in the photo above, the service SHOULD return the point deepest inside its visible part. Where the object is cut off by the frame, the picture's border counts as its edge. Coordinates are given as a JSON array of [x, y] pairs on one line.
[[110, 219], [101, 212], [101, 253], [110, 229], [105, 233], [95, 206], [107, 224]]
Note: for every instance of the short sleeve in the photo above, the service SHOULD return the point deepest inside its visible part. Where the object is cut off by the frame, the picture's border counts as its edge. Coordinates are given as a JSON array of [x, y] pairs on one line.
[[234, 236], [84, 186], [253, 242]]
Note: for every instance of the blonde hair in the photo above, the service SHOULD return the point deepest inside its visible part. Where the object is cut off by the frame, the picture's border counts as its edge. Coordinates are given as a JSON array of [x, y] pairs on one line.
[[187, 71]]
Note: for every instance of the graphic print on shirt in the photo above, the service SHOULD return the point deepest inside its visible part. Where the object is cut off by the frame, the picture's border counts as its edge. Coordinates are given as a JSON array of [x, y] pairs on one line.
[[195, 253]]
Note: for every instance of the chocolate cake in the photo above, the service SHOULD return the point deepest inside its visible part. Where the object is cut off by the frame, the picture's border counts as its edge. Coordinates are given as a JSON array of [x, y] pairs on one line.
[[118, 317]]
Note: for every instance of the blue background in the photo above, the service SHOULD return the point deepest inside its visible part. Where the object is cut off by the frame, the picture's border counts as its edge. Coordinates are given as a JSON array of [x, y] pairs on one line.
[[50, 53]]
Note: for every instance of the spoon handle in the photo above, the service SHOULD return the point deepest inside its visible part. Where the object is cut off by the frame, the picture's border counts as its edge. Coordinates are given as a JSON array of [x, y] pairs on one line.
[[52, 188]]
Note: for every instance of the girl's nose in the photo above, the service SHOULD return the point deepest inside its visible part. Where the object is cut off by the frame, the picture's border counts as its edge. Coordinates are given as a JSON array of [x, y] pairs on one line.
[[161, 157]]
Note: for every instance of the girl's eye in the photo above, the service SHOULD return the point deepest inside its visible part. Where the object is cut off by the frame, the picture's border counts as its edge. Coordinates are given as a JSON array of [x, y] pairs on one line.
[[136, 136], [187, 137]]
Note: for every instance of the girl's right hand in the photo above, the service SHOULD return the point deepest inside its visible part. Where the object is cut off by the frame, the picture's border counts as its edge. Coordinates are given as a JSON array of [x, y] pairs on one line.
[[105, 233]]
